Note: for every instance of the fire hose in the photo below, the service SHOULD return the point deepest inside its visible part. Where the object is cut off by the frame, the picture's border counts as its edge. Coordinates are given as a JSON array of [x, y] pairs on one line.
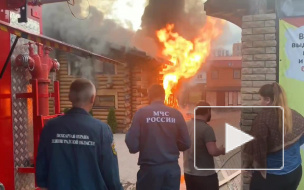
[[41, 2], [227, 160], [232, 176]]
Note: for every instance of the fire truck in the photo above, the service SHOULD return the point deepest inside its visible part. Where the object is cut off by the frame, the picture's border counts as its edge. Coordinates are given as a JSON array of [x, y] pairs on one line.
[[25, 67]]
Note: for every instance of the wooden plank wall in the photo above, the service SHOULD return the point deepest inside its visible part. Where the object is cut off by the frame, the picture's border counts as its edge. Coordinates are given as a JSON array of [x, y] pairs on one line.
[[143, 76], [121, 85], [136, 88]]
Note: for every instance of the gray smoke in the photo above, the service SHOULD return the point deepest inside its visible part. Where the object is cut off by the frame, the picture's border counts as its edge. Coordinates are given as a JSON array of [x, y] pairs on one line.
[[95, 33], [187, 16], [231, 35], [81, 67]]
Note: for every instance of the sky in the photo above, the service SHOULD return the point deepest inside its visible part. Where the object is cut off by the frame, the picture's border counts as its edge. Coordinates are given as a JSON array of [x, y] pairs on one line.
[[236, 33], [231, 35]]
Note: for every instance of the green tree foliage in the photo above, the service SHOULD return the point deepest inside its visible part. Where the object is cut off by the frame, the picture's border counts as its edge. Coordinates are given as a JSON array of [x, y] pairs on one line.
[[112, 120]]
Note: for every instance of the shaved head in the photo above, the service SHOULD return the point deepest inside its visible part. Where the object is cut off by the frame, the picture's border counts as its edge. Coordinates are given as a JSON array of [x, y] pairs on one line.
[[82, 92], [155, 92], [205, 110]]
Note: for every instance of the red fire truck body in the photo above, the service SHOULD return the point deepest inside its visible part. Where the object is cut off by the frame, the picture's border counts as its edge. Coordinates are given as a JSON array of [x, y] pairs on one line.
[[25, 65], [14, 127]]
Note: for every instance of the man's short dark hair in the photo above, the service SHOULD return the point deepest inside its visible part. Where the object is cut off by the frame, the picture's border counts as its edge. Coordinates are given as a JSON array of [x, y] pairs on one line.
[[81, 91], [156, 91], [203, 111]]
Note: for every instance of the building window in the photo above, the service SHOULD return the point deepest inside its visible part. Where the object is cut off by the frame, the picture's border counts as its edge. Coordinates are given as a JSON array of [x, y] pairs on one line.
[[236, 73], [226, 98], [201, 78], [104, 68], [80, 67], [214, 74], [74, 69], [230, 99], [239, 98], [105, 101]]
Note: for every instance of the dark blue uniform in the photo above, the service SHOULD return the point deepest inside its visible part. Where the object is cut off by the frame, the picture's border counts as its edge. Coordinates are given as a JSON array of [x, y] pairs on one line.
[[158, 133], [76, 152]]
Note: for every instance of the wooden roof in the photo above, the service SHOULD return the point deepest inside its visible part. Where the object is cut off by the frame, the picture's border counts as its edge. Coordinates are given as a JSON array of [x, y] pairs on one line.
[[50, 42], [135, 56]]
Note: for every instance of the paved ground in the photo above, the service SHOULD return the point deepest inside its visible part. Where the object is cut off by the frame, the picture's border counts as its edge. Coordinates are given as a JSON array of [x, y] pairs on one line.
[[128, 162]]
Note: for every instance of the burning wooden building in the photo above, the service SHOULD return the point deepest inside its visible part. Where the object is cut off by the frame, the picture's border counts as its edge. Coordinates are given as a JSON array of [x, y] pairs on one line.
[[122, 86]]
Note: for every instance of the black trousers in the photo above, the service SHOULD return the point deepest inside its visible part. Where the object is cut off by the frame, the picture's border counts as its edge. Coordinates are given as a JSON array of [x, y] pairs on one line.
[[277, 182], [159, 177], [202, 182]]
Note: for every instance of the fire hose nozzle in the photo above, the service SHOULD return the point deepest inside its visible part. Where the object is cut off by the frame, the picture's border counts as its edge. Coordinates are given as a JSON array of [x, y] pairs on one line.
[[56, 65], [28, 43], [25, 61], [31, 48], [47, 50]]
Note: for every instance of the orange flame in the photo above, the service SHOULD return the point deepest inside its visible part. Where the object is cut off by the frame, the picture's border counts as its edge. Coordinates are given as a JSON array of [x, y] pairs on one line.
[[186, 56]]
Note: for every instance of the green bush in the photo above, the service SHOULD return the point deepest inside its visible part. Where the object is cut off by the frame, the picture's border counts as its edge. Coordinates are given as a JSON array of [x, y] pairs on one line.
[[112, 120]]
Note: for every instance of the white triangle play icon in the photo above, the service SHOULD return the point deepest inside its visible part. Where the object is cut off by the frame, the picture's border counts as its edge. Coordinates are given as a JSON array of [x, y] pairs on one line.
[[235, 138]]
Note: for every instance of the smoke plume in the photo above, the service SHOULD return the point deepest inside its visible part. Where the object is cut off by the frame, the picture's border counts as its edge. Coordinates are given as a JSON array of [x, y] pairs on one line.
[[95, 33], [116, 22], [188, 18]]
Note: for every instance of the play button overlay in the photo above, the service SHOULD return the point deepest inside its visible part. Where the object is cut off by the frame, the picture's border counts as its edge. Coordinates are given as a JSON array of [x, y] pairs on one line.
[[235, 138], [225, 123]]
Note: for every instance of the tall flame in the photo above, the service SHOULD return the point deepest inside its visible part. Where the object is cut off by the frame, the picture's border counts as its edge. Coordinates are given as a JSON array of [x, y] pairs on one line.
[[186, 56]]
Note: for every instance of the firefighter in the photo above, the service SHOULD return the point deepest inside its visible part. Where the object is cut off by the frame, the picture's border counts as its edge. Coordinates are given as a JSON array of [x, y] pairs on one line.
[[76, 151], [158, 133]]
